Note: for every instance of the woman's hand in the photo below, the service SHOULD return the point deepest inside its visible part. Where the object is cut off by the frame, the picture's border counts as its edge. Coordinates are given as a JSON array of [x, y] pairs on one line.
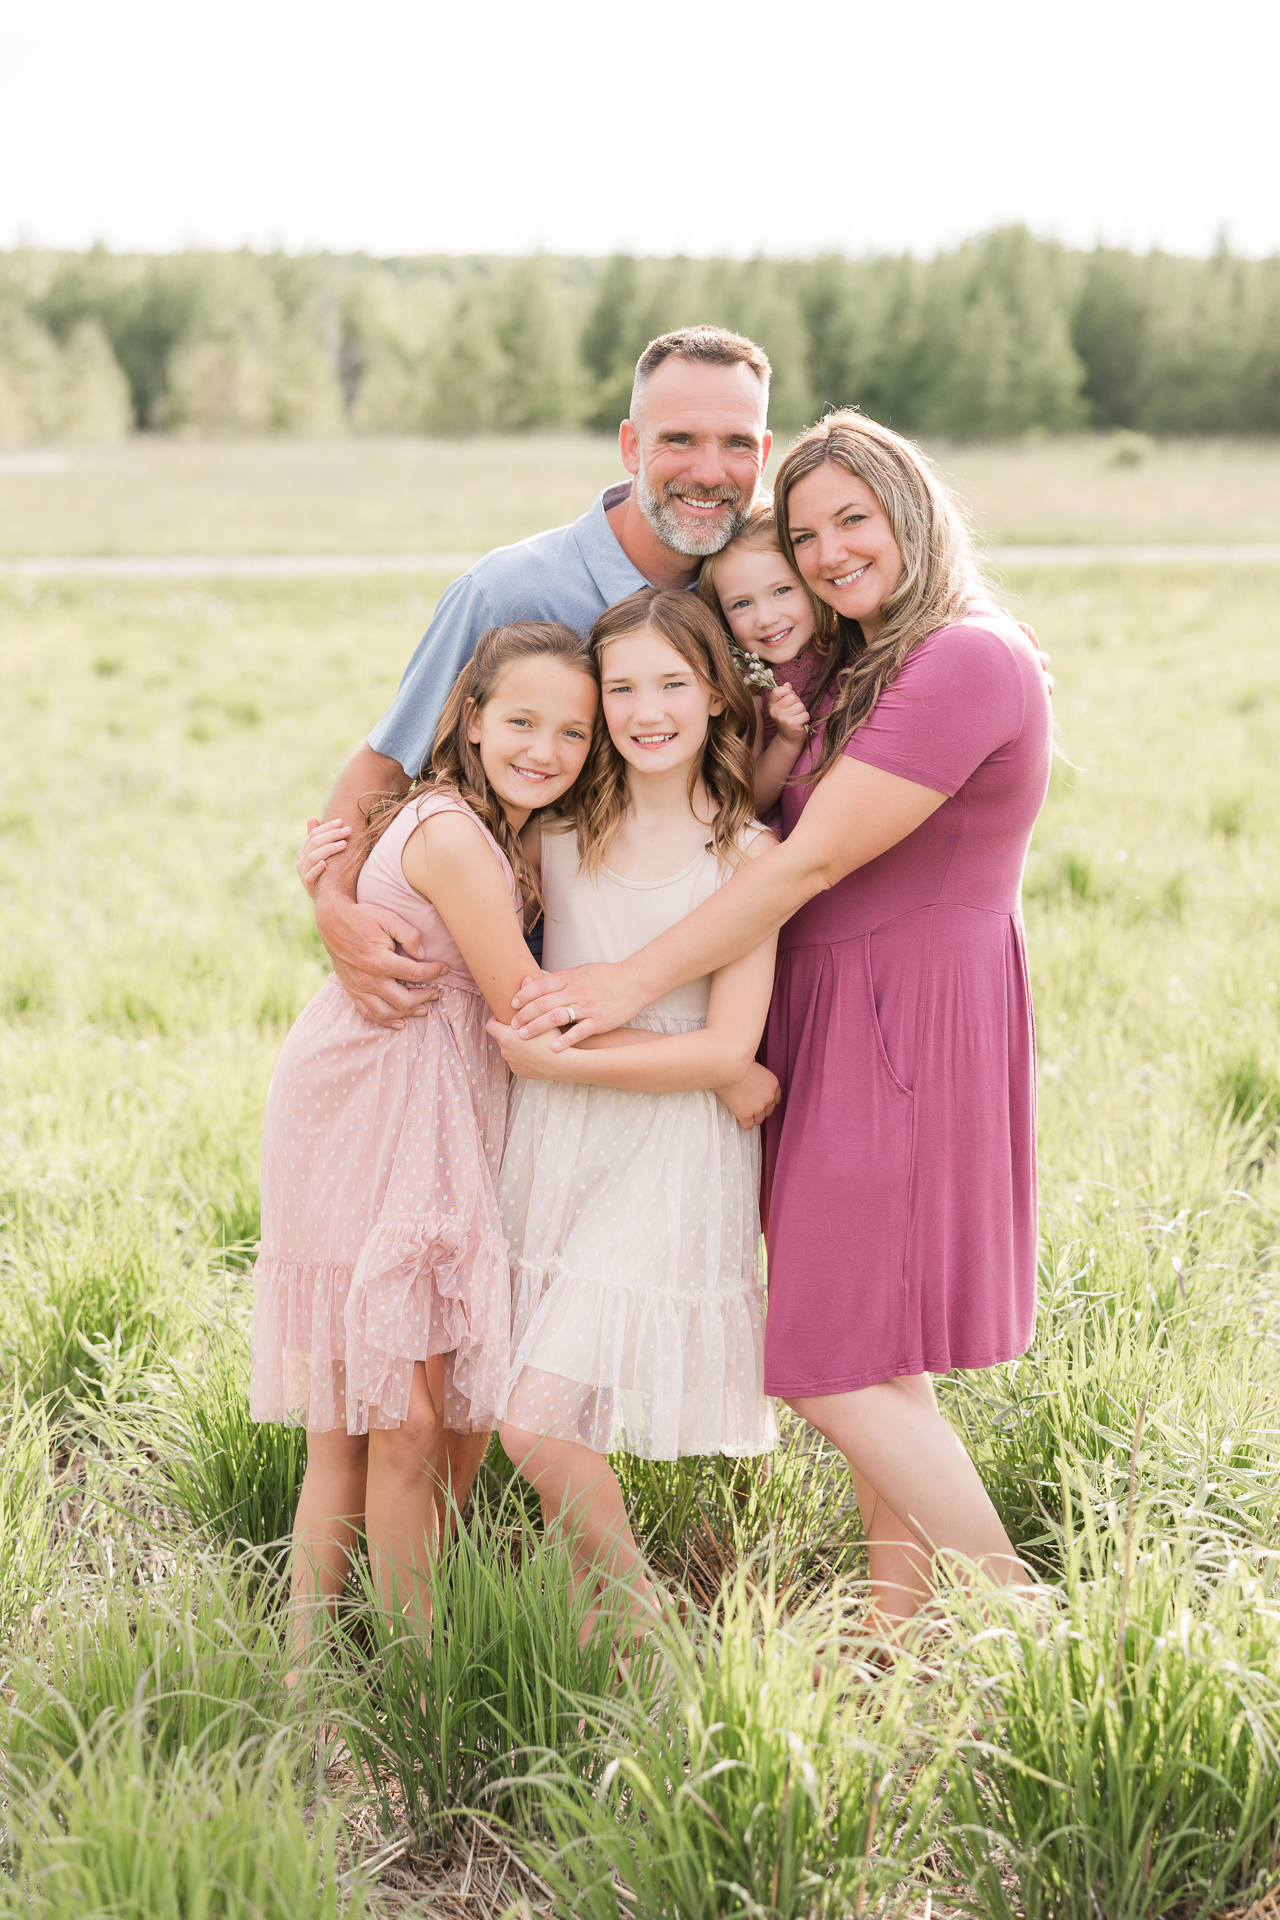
[[584, 1000], [1041, 655], [324, 840], [753, 1098], [790, 716], [528, 1059]]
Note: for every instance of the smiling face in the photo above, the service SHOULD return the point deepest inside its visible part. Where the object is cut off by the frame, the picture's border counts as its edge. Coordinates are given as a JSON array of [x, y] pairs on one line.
[[533, 732], [768, 610], [697, 450], [656, 708], [844, 545]]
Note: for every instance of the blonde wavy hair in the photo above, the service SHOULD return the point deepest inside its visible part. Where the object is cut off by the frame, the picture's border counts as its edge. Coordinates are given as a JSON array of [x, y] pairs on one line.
[[455, 766], [760, 534], [726, 764], [940, 572]]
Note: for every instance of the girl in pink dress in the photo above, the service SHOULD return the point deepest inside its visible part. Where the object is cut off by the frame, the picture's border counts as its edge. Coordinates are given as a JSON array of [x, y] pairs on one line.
[[381, 1296]]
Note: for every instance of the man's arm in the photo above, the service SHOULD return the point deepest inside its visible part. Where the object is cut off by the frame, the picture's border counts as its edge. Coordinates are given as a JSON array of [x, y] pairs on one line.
[[376, 955], [389, 985]]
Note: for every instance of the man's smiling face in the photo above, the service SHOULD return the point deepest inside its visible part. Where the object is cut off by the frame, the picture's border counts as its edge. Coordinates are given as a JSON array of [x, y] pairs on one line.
[[697, 452]]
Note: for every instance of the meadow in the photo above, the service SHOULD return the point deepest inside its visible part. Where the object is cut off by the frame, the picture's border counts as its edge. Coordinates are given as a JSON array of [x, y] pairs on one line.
[[1113, 1750], [162, 494]]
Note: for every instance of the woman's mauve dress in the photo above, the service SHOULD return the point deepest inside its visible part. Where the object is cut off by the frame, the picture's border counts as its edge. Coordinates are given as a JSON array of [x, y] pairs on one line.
[[900, 1168]]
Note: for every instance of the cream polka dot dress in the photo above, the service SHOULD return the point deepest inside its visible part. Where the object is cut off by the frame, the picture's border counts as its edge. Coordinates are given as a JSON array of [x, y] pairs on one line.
[[381, 1239], [633, 1218]]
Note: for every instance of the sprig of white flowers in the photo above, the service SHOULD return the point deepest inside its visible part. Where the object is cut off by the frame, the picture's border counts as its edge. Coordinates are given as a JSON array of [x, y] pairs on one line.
[[758, 675]]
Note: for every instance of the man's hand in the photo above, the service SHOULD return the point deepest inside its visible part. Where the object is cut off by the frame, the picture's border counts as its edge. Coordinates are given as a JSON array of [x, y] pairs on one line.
[[753, 1098], [789, 715], [378, 958]]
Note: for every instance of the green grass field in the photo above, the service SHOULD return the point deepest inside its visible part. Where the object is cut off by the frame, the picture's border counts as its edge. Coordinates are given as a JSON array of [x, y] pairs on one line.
[[155, 494], [1116, 1751]]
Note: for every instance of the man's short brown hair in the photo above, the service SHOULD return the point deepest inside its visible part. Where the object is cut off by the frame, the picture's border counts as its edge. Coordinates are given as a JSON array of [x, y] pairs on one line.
[[714, 346]]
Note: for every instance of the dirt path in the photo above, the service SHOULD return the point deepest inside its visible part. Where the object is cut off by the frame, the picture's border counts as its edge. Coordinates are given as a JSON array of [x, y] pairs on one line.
[[300, 566]]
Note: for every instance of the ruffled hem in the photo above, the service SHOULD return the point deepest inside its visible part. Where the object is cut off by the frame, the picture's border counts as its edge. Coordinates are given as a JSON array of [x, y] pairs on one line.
[[432, 1284], [297, 1371], [646, 1371], [334, 1346]]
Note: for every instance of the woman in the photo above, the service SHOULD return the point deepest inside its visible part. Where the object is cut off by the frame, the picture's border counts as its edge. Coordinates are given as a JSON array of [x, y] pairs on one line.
[[900, 1181]]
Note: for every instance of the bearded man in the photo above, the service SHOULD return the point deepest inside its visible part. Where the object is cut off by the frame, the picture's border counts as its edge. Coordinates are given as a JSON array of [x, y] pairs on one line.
[[696, 444]]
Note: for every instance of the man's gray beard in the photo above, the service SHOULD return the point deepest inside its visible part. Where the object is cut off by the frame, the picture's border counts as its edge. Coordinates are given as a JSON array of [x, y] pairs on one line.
[[688, 540]]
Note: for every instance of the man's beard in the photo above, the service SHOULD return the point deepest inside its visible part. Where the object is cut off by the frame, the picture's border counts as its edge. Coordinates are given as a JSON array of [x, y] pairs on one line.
[[692, 540]]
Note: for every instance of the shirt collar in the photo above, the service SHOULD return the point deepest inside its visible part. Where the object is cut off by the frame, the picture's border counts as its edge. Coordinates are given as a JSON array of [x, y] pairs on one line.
[[601, 550]]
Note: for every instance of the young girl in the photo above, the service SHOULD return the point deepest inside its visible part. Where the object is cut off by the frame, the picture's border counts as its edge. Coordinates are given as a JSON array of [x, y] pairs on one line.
[[381, 1294], [628, 1190], [773, 618]]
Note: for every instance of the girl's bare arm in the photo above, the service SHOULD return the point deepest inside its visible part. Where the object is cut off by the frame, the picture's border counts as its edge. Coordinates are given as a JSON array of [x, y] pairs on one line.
[[449, 863], [773, 770]]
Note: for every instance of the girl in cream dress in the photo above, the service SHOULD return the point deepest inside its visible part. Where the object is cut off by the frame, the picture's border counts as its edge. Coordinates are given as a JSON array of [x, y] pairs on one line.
[[628, 1190]]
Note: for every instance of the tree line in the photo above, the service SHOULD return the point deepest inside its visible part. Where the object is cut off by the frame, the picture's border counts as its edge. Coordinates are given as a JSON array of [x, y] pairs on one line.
[[1005, 335]]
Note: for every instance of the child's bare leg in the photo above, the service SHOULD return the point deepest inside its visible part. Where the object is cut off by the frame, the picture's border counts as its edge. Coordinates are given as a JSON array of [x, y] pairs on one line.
[[578, 1484], [895, 1439], [330, 1509], [460, 1457], [400, 1505]]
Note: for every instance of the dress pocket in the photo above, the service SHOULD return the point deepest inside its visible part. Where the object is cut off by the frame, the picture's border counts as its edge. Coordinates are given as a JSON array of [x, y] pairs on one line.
[[877, 1028]]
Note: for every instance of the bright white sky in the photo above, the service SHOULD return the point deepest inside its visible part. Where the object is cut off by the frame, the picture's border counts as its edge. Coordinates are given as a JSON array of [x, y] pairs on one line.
[[584, 126]]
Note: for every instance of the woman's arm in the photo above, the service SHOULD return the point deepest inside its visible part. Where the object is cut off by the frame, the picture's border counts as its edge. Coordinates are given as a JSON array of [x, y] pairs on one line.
[[856, 813], [717, 1056], [720, 1055]]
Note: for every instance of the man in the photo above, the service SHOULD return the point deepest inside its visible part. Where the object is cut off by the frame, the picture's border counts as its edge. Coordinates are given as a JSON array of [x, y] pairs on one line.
[[696, 444]]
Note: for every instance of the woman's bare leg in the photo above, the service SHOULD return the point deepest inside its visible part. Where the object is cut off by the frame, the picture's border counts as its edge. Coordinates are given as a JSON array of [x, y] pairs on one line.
[[325, 1527], [899, 1569], [400, 1505], [579, 1485], [903, 1452]]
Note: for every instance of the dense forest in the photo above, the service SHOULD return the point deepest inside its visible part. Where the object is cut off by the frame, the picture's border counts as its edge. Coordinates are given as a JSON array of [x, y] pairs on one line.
[[1006, 335]]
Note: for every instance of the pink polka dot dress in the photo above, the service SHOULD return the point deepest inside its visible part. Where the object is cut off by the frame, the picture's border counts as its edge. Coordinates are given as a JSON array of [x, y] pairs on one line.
[[381, 1239]]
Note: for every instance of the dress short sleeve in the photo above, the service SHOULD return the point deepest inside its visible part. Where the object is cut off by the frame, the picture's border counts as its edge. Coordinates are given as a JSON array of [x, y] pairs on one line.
[[958, 698]]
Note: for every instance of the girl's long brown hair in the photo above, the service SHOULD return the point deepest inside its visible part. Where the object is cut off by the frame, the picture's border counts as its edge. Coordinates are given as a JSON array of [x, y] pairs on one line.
[[940, 573], [726, 765], [455, 766]]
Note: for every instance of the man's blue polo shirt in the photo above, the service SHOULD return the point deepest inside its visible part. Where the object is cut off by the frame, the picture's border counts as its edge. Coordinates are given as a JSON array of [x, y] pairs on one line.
[[570, 574]]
